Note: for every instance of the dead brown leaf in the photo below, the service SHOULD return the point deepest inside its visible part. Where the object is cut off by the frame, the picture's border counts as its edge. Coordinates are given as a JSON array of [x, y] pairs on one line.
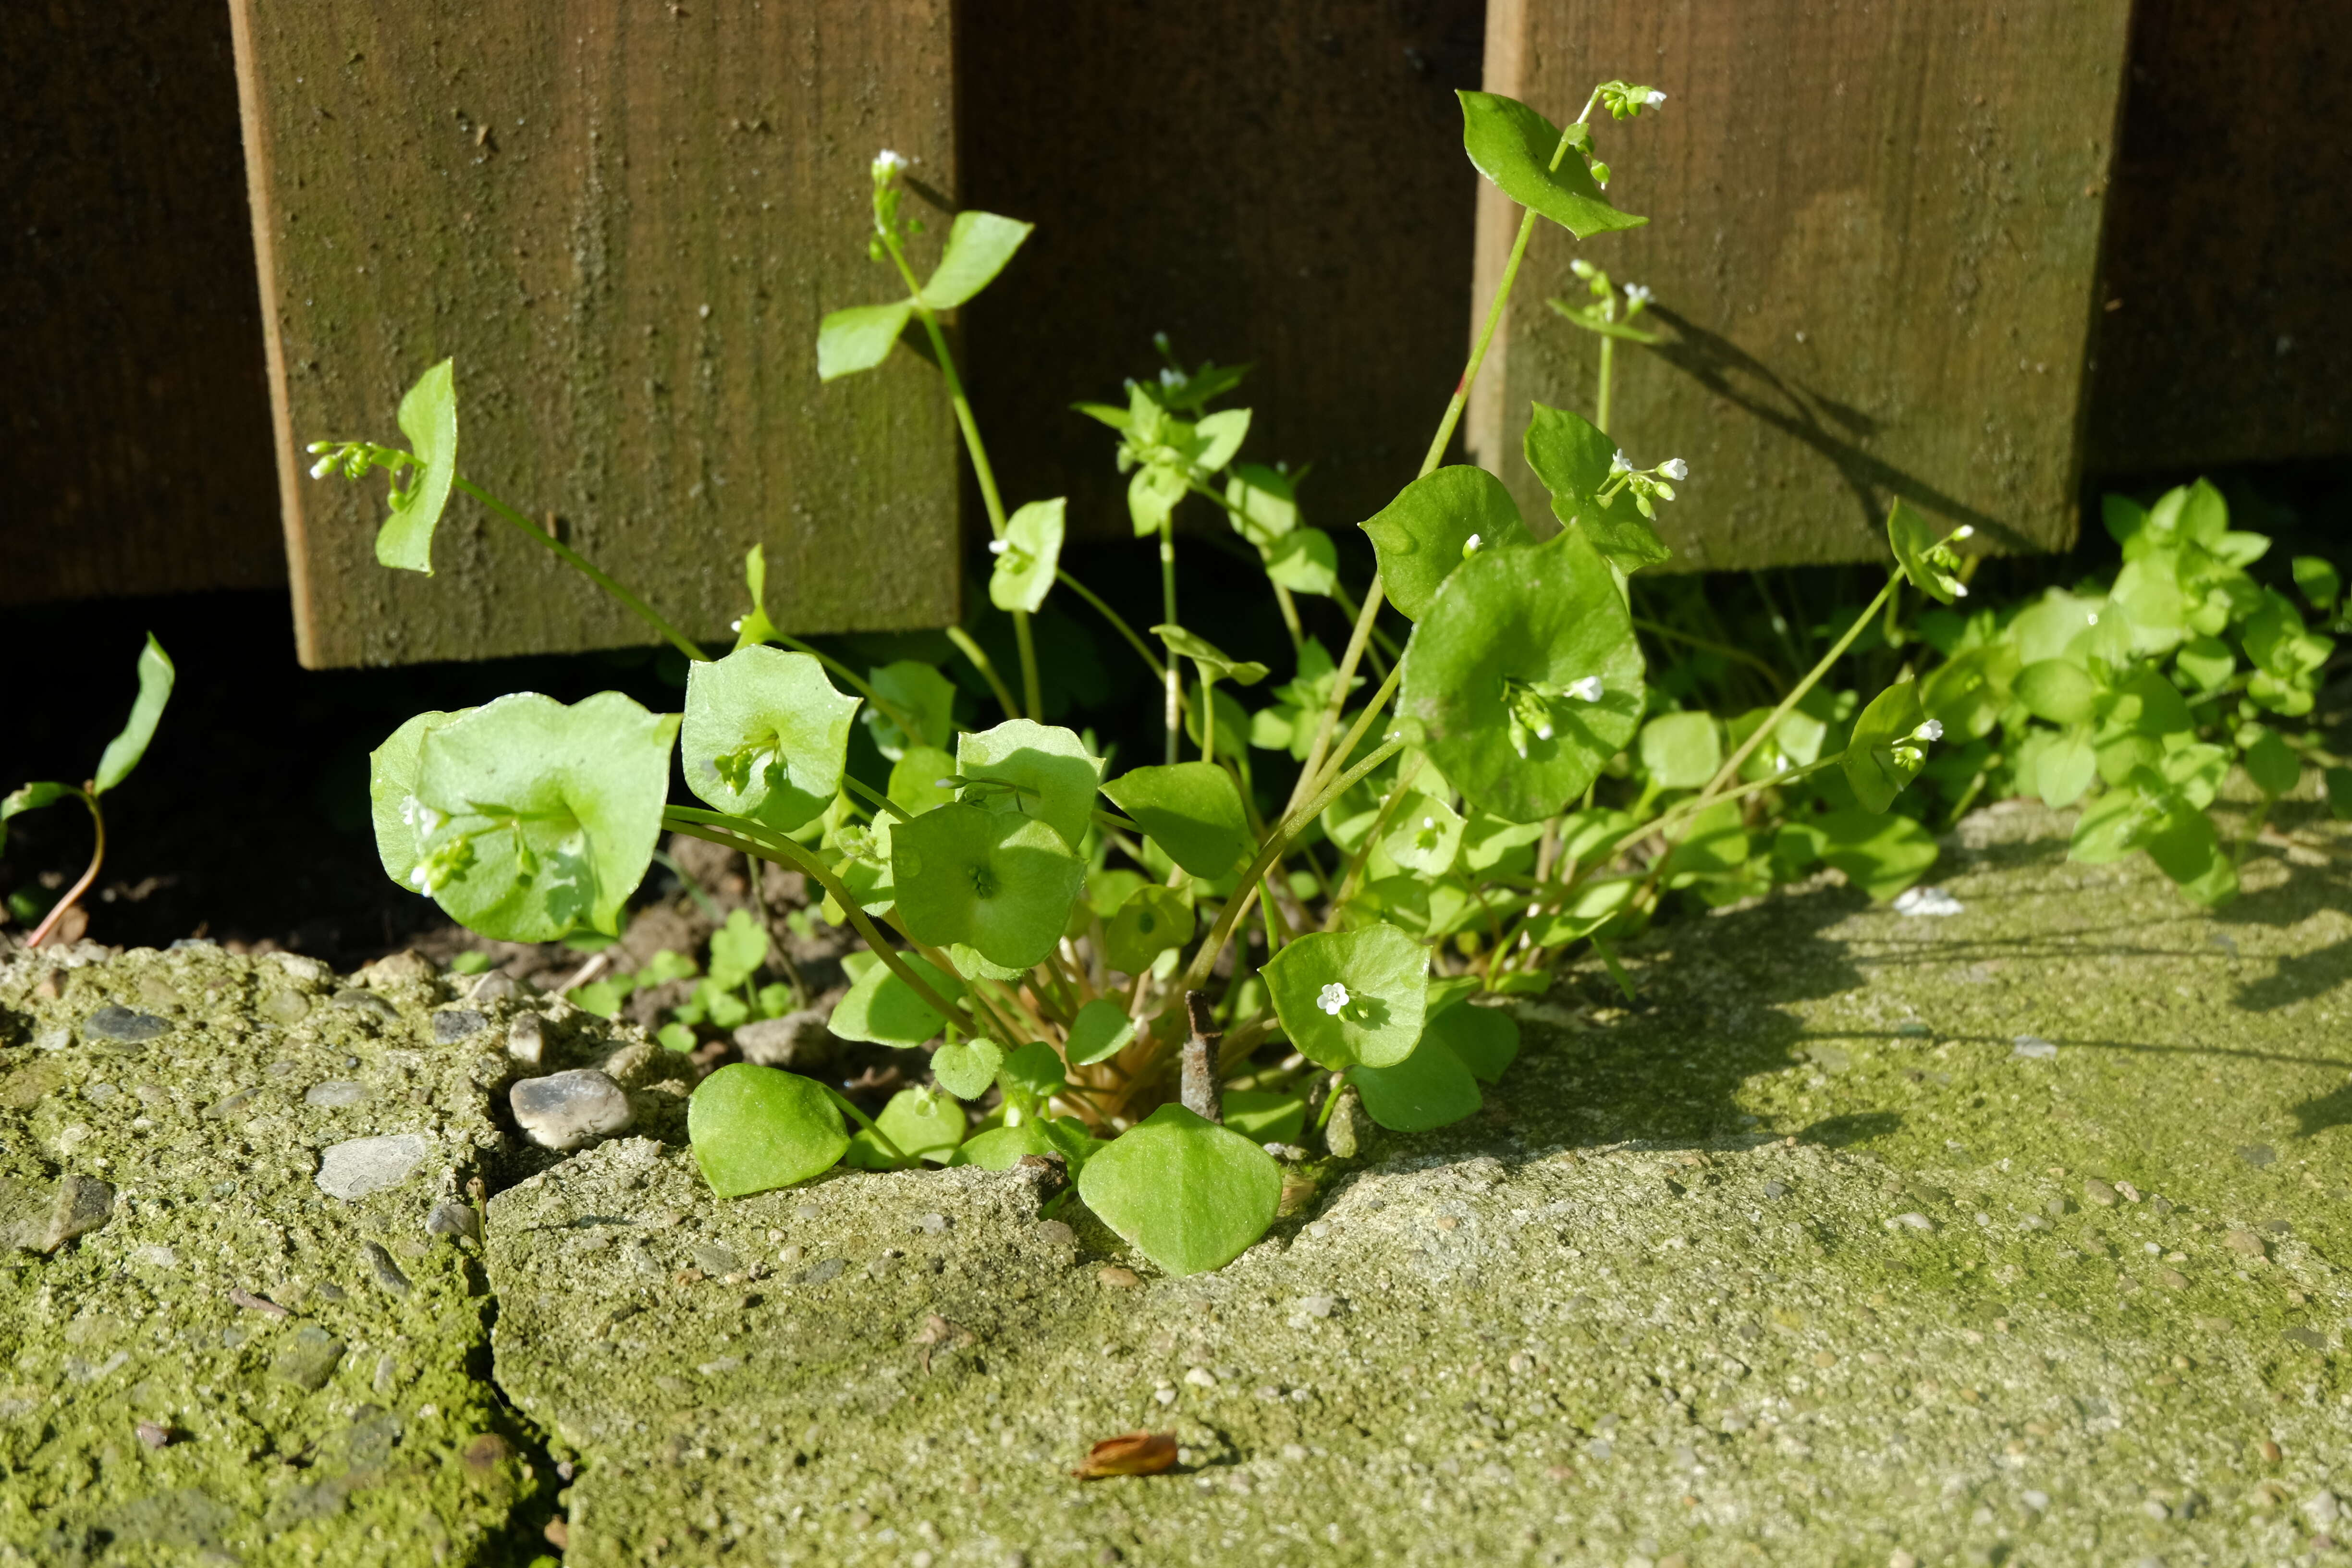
[[1130, 1454]]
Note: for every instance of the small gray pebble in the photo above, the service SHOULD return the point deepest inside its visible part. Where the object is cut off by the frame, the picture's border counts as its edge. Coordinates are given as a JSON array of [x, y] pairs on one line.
[[2258, 1155], [717, 1261], [1053, 1233], [367, 1002], [336, 1092], [527, 1040], [308, 1358], [933, 1223], [383, 1271], [496, 986], [455, 1024], [567, 1110], [124, 1027], [1776, 1189], [822, 1273], [450, 1218], [353, 1169]]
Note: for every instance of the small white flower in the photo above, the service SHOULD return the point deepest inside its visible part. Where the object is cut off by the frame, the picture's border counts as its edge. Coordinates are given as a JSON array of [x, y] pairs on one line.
[[886, 161], [1332, 998], [1966, 531], [736, 625], [417, 878], [1932, 730], [2094, 617], [319, 470], [1543, 731], [1655, 98], [1618, 465], [999, 546], [1676, 469], [1585, 689], [1171, 377], [1960, 590], [1470, 544], [1637, 293], [1429, 822]]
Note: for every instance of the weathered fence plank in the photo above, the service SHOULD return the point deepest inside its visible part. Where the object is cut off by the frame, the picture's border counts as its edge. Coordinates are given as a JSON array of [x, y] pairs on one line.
[[1874, 243], [625, 219], [134, 423]]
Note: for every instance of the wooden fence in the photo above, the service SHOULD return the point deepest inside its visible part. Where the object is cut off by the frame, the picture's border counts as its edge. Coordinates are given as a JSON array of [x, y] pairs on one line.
[[2020, 241]]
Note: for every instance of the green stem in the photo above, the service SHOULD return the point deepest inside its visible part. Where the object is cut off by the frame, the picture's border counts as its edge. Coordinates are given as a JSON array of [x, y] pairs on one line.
[[1171, 678], [882, 802], [906, 1162], [980, 661], [1207, 718], [1725, 650], [1031, 690], [1730, 769], [735, 833], [1119, 622], [1600, 398], [572, 558]]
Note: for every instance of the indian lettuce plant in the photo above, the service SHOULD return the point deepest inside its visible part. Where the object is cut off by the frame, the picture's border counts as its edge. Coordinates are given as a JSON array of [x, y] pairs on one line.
[[1153, 974]]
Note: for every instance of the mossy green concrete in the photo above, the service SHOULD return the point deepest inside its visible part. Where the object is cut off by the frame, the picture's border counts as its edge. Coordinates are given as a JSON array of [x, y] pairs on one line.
[[343, 1416], [1660, 1301]]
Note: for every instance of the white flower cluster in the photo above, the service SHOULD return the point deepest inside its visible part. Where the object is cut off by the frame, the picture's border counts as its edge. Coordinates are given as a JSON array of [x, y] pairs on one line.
[[1333, 998]]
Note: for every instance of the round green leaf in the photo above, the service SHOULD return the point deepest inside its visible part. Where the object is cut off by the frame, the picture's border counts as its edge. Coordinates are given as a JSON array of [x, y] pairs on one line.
[[1001, 1148], [1002, 883], [884, 1009], [1420, 535], [1192, 810], [1514, 146], [1352, 998], [1146, 925], [548, 815], [392, 795], [2274, 765], [1264, 502], [1048, 771], [1189, 1194], [1575, 461], [1026, 556], [926, 1125], [755, 1128], [764, 735], [428, 417], [924, 697], [1424, 834], [1883, 758], [923, 780], [1484, 1040], [1682, 750], [1304, 562], [1101, 1030], [2059, 691], [1431, 1088], [1523, 642], [1924, 559], [1265, 1116], [967, 1070]]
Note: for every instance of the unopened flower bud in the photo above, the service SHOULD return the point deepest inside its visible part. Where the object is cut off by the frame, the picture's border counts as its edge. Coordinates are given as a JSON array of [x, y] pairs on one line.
[[1675, 468]]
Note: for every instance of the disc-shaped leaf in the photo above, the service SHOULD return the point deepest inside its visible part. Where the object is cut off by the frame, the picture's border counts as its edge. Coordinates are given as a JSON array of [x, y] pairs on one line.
[[1101, 1030], [755, 1128], [1001, 1148], [967, 1070], [1146, 925], [926, 1125], [1266, 503], [123, 752], [1880, 761], [2059, 691], [922, 780], [2188, 849], [1420, 535], [858, 338], [1350, 997], [1524, 677], [1189, 1194], [1514, 146], [2274, 765], [392, 795], [1424, 834], [1914, 540], [1484, 1040], [1152, 497], [1304, 562], [1682, 750], [1265, 1116], [884, 1009], [1429, 1088], [918, 693], [1573, 458], [764, 736], [1214, 662], [2065, 765], [1000, 881], [548, 814], [1032, 549], [979, 245], [1220, 435], [1192, 810], [428, 417], [1032, 1074], [1051, 774]]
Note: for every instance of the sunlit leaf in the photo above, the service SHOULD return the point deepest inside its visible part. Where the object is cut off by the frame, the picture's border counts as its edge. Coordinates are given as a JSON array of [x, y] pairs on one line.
[[967, 1070], [1001, 882], [1515, 147], [1220, 435], [1100, 1031], [1921, 554], [1265, 1116], [858, 338], [1431, 1088], [979, 245], [1030, 551], [1883, 757], [923, 780], [1682, 750], [1047, 771], [123, 752], [1573, 458], [884, 1009], [1304, 562], [1214, 662], [1192, 810], [1189, 1194], [922, 1124], [1266, 503], [753, 1128], [1424, 834], [1421, 536], [764, 735], [1146, 925], [400, 827], [924, 697], [1352, 998], [428, 417]]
